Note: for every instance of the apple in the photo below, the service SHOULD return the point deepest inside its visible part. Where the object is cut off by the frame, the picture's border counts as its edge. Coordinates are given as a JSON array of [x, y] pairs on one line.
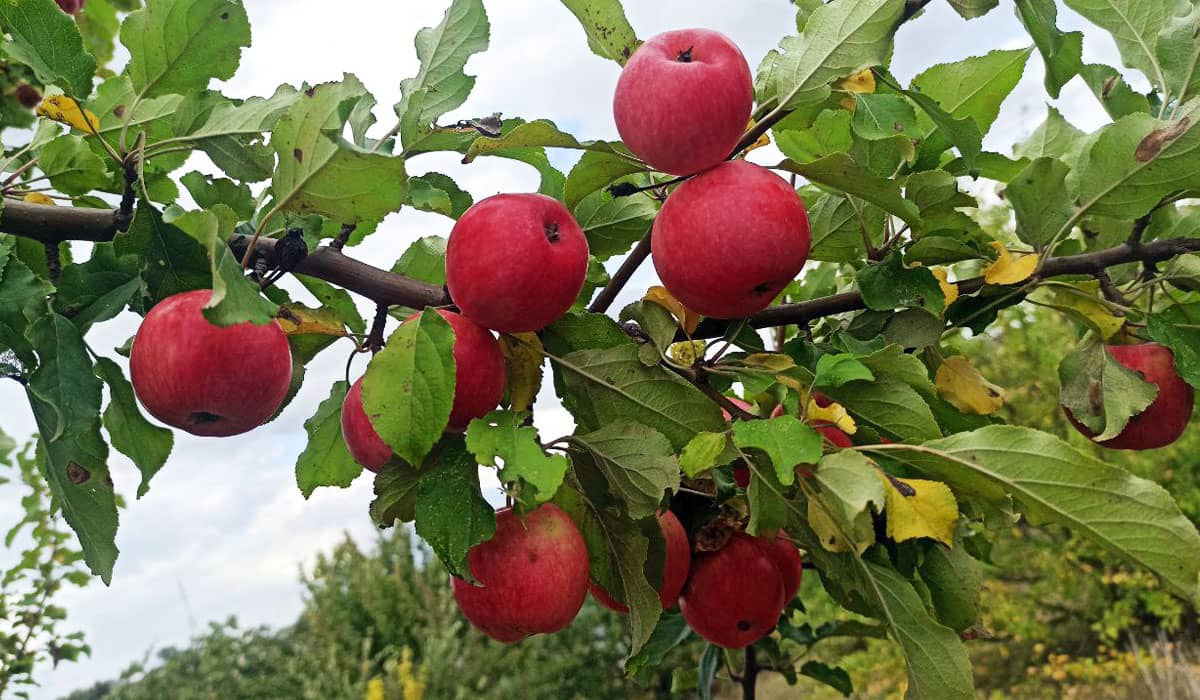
[[726, 242], [365, 445], [71, 6], [684, 100], [28, 96], [205, 379], [516, 262], [787, 559], [675, 568], [734, 595], [478, 370], [1165, 419], [532, 575]]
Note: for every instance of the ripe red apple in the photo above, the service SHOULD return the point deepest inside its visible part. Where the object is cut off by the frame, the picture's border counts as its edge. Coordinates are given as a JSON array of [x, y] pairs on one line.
[[1165, 419], [675, 568], [365, 445], [727, 241], [516, 262], [533, 576], [787, 559], [478, 370], [203, 378], [71, 6], [28, 96], [683, 100], [734, 595]]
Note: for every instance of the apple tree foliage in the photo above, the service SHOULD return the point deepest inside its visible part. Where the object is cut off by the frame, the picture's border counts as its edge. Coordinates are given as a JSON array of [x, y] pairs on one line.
[[896, 525]]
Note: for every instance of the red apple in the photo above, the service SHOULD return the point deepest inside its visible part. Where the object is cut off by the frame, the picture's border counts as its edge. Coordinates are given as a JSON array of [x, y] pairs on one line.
[[28, 96], [203, 378], [533, 576], [478, 370], [516, 262], [683, 100], [787, 559], [71, 6], [675, 568], [734, 595], [727, 241], [367, 448], [1165, 419]]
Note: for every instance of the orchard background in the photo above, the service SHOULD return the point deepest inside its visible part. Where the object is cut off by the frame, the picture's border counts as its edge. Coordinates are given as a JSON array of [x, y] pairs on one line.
[[211, 479]]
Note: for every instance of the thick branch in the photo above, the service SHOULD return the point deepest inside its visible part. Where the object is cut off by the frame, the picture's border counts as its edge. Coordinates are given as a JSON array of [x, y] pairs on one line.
[[378, 285], [1083, 264], [48, 224], [630, 265]]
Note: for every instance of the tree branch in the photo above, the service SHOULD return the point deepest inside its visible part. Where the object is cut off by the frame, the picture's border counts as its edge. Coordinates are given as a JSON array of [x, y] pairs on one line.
[[50, 224], [632, 262]]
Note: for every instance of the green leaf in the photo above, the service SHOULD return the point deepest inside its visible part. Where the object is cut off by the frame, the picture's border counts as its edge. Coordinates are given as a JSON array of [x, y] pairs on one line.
[[1100, 392], [1053, 482], [1136, 161], [976, 86], [1062, 52], [145, 444], [65, 396], [840, 38], [43, 37], [1115, 95], [832, 676], [889, 285], [438, 193], [452, 515], [1135, 25], [889, 405], [837, 225], [655, 321], [319, 173], [599, 387], [583, 331], [72, 167], [540, 132], [597, 169], [618, 551], [325, 459], [208, 191], [638, 463], [97, 290], [702, 453], [441, 85], [613, 224], [22, 300], [841, 514], [337, 299], [768, 506], [881, 116], [961, 132], [710, 661], [424, 260], [1054, 137], [953, 578], [408, 389], [1175, 327], [172, 261], [235, 298], [179, 46], [1040, 201], [608, 32], [785, 440], [1179, 53], [503, 435], [829, 134], [837, 369], [395, 494], [841, 172], [670, 632]]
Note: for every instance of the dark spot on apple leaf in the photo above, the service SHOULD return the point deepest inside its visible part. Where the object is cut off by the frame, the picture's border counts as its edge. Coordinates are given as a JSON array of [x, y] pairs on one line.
[[1152, 145], [77, 474], [298, 154], [119, 110]]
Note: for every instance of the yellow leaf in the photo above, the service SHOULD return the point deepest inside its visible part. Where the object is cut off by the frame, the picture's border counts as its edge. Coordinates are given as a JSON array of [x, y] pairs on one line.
[[39, 198], [963, 386], [764, 140], [1084, 299], [687, 352], [375, 689], [298, 319], [862, 82], [523, 368], [687, 318], [65, 110], [834, 413], [770, 361], [919, 508], [949, 289], [1009, 269]]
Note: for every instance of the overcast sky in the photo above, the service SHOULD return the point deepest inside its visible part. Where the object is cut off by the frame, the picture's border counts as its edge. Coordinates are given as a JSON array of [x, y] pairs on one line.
[[223, 529]]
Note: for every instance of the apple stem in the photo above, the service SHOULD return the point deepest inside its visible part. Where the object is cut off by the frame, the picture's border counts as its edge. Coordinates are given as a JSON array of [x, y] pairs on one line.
[[750, 674], [552, 234], [375, 339], [342, 238]]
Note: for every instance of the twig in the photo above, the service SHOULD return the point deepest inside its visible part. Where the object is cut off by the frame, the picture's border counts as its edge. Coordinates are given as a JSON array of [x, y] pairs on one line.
[[632, 262]]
